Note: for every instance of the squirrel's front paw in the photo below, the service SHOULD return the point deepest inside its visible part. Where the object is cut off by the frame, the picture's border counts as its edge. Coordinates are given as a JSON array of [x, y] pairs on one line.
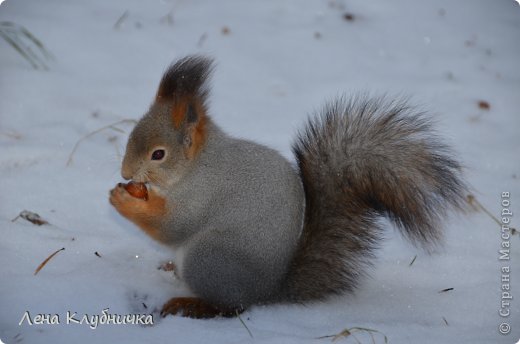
[[146, 213], [129, 206], [120, 198]]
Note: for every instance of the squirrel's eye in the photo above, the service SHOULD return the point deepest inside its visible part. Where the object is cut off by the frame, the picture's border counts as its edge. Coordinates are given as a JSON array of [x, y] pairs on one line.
[[158, 154]]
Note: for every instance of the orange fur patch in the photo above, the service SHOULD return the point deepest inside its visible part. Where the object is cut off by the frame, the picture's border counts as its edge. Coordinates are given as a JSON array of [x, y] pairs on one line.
[[198, 132], [179, 113]]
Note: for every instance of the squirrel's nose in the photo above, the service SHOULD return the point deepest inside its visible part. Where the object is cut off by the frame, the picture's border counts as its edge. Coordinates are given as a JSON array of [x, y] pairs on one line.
[[126, 173]]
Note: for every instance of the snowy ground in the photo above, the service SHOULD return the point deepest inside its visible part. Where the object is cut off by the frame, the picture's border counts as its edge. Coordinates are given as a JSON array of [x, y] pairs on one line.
[[277, 62]]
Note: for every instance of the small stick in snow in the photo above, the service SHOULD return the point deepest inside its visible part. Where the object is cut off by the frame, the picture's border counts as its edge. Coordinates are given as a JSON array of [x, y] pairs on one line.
[[110, 126], [350, 332], [202, 39], [445, 321], [477, 206], [413, 261], [120, 21], [31, 217], [47, 260], [97, 254], [445, 290], [12, 135], [168, 19], [484, 105], [349, 17], [23, 41], [244, 324], [225, 30], [113, 141]]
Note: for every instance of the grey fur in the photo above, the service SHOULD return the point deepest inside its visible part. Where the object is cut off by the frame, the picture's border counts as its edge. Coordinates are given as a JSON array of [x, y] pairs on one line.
[[236, 210], [238, 224], [360, 159]]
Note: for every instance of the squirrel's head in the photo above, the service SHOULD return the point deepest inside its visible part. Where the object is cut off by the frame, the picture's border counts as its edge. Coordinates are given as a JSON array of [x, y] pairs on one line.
[[169, 138]]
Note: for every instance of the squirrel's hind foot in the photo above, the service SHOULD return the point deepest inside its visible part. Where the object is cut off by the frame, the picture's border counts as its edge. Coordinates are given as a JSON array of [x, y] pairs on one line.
[[193, 307]]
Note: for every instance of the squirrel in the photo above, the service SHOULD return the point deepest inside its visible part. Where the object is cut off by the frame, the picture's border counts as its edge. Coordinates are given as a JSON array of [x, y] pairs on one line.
[[247, 227]]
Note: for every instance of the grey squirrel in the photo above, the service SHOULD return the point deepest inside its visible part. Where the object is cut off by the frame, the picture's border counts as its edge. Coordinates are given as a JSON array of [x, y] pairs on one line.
[[248, 228]]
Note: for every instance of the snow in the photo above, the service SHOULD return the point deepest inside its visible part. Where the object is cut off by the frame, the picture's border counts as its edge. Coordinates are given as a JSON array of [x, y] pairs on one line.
[[272, 71]]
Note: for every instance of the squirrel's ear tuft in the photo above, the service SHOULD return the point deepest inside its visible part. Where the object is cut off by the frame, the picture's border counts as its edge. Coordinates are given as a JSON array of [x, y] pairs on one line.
[[186, 78], [185, 85]]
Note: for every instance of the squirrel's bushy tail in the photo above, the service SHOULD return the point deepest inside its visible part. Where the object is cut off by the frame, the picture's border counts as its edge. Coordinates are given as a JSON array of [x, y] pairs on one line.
[[358, 160]]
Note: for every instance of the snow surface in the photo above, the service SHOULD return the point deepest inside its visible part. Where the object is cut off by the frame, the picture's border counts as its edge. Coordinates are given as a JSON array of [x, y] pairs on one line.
[[279, 61]]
